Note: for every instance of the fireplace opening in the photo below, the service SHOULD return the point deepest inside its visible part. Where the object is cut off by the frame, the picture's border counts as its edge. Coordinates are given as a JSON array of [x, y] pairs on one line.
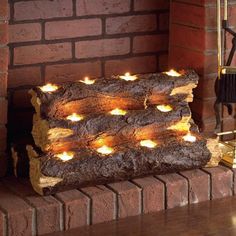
[[55, 54]]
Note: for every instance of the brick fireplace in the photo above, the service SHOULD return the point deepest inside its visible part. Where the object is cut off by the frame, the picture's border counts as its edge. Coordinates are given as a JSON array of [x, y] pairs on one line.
[[63, 40]]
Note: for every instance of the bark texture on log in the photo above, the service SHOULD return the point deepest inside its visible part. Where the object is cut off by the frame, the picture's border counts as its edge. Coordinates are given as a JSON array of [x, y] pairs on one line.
[[49, 174], [62, 135], [107, 94]]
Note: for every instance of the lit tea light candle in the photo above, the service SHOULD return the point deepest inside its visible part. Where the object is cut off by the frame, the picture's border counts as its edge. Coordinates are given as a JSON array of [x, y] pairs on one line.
[[74, 117], [49, 88], [105, 150], [189, 138], [148, 143], [65, 156], [164, 108], [118, 112], [128, 77], [88, 81], [173, 73]]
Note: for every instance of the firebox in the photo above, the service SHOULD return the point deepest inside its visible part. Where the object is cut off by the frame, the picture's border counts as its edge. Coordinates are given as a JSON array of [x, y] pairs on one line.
[[144, 69]]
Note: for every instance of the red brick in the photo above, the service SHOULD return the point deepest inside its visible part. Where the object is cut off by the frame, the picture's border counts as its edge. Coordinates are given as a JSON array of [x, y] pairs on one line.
[[24, 76], [163, 62], [143, 5], [42, 9], [201, 2], [204, 108], [73, 28], [42, 53], [221, 181], [3, 111], [76, 208], [47, 208], [199, 185], [3, 9], [176, 190], [101, 7], [3, 84], [2, 223], [164, 21], [71, 72], [21, 99], [133, 65], [150, 43], [228, 124], [153, 194], [129, 24], [102, 48], [205, 88], [4, 52], [103, 203], [129, 198], [185, 58], [3, 138], [19, 214], [198, 39], [3, 33], [187, 14], [24, 32]]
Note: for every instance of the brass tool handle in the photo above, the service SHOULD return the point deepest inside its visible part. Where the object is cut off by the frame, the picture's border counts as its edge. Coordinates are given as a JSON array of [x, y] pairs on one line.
[[225, 9]]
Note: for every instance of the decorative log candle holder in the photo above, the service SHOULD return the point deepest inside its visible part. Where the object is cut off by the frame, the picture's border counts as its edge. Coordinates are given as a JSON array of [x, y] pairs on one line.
[[109, 129]]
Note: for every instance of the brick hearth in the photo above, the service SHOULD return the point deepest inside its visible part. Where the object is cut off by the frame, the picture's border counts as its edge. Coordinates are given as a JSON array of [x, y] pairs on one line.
[[23, 212]]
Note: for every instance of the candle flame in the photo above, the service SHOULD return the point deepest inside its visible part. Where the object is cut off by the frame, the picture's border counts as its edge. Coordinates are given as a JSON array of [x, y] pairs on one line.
[[173, 73], [74, 117], [118, 112], [128, 77], [189, 138], [65, 156], [148, 143], [164, 108], [49, 88], [105, 150], [88, 81]]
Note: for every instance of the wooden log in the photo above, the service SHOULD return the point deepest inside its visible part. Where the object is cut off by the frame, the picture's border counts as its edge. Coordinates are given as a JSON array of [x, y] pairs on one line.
[[49, 174], [107, 94], [19, 155], [61, 135]]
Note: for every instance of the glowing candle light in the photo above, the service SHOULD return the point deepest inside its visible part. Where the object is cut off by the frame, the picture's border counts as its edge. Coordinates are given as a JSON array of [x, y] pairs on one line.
[[88, 81], [49, 88], [148, 143], [173, 73], [118, 112], [164, 108], [65, 156], [189, 138], [128, 77], [105, 150], [74, 117]]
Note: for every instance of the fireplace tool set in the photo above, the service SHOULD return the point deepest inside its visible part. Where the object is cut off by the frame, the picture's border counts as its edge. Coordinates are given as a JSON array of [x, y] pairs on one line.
[[225, 84]]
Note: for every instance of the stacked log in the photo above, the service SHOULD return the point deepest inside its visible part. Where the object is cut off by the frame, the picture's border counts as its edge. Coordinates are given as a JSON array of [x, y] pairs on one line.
[[149, 134]]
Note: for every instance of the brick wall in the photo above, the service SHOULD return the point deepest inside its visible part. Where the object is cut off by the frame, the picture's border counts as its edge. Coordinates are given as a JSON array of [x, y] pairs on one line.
[[3, 81], [193, 44], [60, 40]]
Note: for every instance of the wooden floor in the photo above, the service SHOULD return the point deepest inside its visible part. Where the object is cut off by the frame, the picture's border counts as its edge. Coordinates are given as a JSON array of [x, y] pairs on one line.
[[211, 218]]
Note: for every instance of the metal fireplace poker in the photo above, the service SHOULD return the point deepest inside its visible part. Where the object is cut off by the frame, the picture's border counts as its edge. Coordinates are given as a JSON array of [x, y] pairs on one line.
[[225, 85]]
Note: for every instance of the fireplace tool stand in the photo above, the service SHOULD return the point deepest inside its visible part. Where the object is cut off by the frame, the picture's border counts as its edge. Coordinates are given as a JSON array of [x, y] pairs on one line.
[[225, 86]]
